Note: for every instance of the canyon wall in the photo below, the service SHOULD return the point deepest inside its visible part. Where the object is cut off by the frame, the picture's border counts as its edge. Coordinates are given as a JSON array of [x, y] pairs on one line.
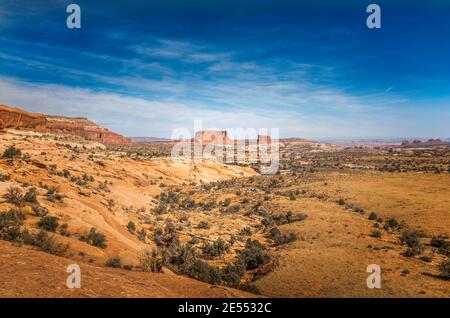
[[15, 118]]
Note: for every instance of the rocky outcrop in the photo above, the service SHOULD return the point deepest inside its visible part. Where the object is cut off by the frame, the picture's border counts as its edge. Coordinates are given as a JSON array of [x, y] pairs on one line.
[[81, 126], [12, 117], [217, 137], [15, 118], [430, 143]]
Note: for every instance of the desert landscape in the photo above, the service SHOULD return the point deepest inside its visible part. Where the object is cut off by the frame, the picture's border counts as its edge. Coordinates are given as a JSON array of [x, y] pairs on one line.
[[142, 224]]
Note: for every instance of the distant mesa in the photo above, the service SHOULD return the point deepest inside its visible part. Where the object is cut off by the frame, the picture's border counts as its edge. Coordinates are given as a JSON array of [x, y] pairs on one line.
[[425, 144], [220, 137], [217, 137], [16, 118]]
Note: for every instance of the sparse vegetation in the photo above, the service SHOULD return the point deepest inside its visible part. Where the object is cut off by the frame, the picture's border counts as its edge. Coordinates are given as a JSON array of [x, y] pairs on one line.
[[10, 223], [151, 261], [114, 262], [95, 238], [11, 152], [48, 223]]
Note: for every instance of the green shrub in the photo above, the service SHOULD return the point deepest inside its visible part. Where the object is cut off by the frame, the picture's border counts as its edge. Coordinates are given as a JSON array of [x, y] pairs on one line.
[[279, 239], [246, 231], [95, 238], [203, 225], [251, 288], [376, 234], [31, 195], [253, 255], [167, 236], [114, 262], [38, 210], [142, 235], [53, 195], [10, 223], [131, 227], [373, 216], [204, 272], [391, 224], [48, 244], [412, 240], [48, 223], [231, 275], [444, 269], [179, 257], [11, 152], [216, 249], [151, 261], [64, 230], [14, 196]]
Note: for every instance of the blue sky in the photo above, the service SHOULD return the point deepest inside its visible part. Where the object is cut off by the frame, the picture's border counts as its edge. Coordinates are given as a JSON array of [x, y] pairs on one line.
[[310, 68]]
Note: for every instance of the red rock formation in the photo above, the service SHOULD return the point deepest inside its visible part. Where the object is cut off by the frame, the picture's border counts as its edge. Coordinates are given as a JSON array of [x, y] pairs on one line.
[[213, 137], [264, 139], [11, 117]]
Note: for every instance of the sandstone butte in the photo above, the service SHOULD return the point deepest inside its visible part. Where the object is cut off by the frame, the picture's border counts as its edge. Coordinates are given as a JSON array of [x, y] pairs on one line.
[[221, 138], [16, 118]]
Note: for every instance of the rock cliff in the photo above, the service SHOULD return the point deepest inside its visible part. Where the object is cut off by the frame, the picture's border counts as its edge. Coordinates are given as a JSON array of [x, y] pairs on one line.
[[15, 118]]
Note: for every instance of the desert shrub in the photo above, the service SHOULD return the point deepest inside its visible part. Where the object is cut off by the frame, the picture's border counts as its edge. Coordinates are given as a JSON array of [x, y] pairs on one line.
[[53, 195], [31, 195], [231, 274], [131, 227], [445, 249], [267, 221], [444, 269], [95, 238], [233, 208], [216, 249], [341, 202], [204, 272], [438, 241], [279, 239], [142, 234], [10, 223], [48, 223], [391, 224], [251, 288], [48, 244], [372, 216], [253, 255], [179, 257], [63, 230], [166, 236], [4, 177], [11, 152], [203, 225], [14, 196], [226, 202], [246, 231], [114, 262], [151, 261], [412, 240], [38, 210], [376, 234]]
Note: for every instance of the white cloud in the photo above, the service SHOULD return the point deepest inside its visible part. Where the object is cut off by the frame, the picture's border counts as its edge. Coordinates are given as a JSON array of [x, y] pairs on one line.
[[135, 116]]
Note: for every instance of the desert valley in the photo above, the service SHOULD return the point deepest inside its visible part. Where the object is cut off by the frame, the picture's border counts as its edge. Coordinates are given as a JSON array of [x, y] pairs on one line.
[[141, 224]]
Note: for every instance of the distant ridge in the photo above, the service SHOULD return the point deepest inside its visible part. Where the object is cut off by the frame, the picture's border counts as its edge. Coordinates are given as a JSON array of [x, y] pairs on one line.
[[16, 118], [149, 139]]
